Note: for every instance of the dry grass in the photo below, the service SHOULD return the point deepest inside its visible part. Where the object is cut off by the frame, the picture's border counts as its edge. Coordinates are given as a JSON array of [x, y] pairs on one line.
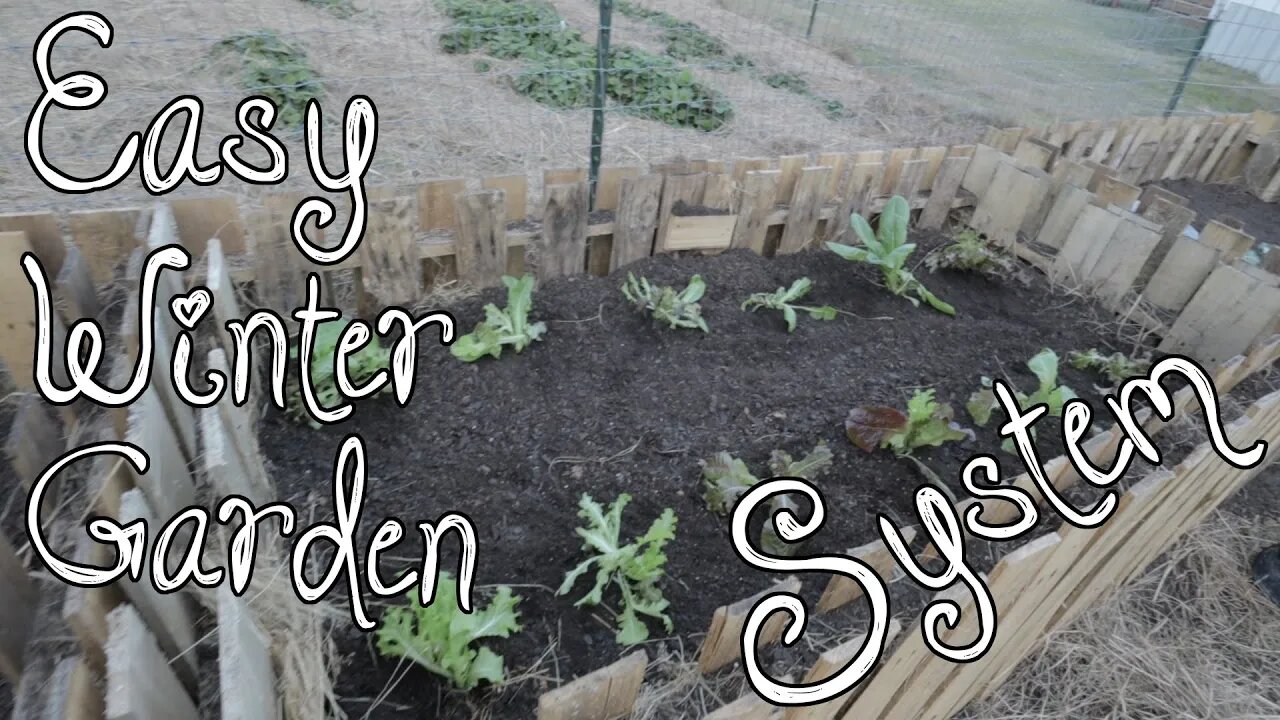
[[1190, 638]]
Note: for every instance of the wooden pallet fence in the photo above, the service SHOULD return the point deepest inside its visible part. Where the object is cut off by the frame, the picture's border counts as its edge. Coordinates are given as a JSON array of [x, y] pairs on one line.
[[246, 675], [141, 684], [606, 694], [1105, 249], [828, 664], [1048, 582], [723, 643], [841, 590]]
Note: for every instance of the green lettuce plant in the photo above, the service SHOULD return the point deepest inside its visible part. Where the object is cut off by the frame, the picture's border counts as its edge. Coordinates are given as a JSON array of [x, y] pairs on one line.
[[783, 300], [501, 327], [983, 403], [664, 304], [441, 638], [887, 248], [726, 479], [362, 365], [635, 567]]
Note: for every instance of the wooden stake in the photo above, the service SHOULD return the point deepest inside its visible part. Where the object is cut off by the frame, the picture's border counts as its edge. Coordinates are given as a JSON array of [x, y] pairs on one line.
[[637, 219], [564, 232], [481, 249]]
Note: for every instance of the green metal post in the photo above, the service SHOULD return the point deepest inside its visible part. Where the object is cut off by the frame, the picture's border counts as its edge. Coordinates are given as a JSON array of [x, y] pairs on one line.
[[813, 15], [601, 87], [1189, 69]]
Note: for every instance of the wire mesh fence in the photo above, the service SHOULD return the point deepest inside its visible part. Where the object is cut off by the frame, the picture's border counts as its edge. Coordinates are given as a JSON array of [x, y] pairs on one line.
[[469, 87]]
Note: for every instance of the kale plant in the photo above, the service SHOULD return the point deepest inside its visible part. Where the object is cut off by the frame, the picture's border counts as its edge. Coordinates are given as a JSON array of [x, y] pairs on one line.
[[635, 568], [970, 253], [501, 327], [677, 309], [440, 637], [1116, 367], [888, 249], [783, 300]]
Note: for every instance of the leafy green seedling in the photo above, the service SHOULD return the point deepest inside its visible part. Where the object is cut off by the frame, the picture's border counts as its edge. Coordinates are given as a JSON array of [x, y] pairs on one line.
[[362, 365], [1117, 367], [888, 249], [783, 300], [970, 253], [440, 637], [635, 568], [726, 479], [983, 403], [503, 327], [677, 309]]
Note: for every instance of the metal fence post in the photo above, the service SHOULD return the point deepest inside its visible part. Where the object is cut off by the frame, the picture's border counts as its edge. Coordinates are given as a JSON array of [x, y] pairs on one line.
[[1190, 68], [813, 15], [601, 91]]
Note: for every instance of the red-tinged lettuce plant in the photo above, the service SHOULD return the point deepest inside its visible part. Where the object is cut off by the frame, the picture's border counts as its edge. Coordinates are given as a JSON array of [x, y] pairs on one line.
[[440, 637], [726, 479], [888, 249], [926, 423], [783, 300]]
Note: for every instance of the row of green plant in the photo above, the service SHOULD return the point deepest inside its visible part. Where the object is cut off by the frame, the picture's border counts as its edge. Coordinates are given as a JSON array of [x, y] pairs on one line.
[[687, 41], [560, 66], [277, 70], [442, 639]]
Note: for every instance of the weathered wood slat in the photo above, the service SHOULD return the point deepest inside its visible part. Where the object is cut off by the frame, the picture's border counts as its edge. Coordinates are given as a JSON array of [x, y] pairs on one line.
[[1185, 267], [639, 202], [563, 249], [759, 195], [1224, 317], [606, 694], [141, 684], [481, 245], [390, 269], [945, 187], [245, 673], [722, 644], [802, 221]]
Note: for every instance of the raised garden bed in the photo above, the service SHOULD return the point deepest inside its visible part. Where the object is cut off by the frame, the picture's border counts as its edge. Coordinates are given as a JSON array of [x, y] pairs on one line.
[[609, 403]]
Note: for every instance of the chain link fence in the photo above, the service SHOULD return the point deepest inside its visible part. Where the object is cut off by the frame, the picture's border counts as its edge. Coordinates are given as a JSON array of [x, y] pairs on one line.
[[471, 87]]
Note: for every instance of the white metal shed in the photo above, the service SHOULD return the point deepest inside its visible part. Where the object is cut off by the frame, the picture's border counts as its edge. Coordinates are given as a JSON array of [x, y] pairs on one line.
[[1246, 35]]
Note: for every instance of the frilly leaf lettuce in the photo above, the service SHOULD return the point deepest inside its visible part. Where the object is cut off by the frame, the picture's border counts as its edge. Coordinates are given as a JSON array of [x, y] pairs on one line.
[[503, 327], [440, 637]]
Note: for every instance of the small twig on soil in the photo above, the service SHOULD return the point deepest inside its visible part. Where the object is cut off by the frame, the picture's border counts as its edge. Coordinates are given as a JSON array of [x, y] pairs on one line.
[[575, 460], [598, 316]]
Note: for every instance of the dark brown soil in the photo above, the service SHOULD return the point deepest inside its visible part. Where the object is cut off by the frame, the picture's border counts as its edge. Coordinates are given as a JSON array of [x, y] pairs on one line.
[[1211, 202], [611, 403]]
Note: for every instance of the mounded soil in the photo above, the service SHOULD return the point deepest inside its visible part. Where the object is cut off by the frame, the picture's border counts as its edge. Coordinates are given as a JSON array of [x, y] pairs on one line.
[[1261, 220], [610, 403]]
